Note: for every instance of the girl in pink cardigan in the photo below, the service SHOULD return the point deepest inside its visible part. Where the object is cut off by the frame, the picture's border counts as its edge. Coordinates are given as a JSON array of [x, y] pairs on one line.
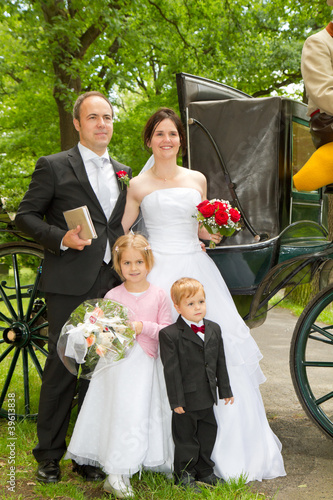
[[124, 422]]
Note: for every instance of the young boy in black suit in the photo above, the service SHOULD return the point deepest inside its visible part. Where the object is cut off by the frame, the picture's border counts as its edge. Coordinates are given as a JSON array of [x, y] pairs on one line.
[[194, 367]]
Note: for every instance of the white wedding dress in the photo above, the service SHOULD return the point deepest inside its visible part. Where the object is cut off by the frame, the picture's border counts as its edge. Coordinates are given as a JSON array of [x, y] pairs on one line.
[[124, 423], [245, 443]]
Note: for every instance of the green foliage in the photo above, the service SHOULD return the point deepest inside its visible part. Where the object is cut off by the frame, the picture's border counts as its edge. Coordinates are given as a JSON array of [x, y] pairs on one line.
[[127, 144], [131, 51]]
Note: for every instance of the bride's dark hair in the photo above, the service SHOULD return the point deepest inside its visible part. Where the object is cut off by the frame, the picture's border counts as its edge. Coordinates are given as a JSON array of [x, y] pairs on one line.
[[156, 118]]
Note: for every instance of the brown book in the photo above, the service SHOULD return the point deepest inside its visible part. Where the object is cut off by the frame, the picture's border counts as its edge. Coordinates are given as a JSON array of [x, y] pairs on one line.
[[81, 217]]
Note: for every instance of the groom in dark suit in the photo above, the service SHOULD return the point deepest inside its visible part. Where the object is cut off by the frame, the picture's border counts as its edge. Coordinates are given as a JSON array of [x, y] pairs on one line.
[[74, 269], [194, 368]]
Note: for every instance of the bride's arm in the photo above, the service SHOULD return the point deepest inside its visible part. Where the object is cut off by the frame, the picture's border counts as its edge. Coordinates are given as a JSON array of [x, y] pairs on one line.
[[202, 232], [131, 211], [205, 235]]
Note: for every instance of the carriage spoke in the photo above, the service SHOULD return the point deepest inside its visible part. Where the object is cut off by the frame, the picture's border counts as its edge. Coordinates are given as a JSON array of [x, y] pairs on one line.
[[319, 364], [7, 351], [9, 376], [9, 306], [311, 360], [37, 328], [323, 399], [33, 298], [17, 287], [35, 359], [40, 348], [5, 319], [26, 382], [38, 315], [320, 339], [324, 332]]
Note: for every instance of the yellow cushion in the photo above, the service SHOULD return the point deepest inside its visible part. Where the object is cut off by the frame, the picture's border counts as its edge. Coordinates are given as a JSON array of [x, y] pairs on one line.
[[318, 170]]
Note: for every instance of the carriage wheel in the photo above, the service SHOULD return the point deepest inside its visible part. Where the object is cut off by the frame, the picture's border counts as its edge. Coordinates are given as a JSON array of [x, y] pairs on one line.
[[311, 360], [23, 329]]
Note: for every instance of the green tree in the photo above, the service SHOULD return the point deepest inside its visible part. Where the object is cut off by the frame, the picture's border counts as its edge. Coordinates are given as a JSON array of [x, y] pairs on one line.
[[131, 50]]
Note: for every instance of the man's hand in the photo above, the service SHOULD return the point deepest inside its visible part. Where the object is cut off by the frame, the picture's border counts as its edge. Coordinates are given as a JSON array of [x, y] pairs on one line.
[[72, 239], [179, 410], [229, 400]]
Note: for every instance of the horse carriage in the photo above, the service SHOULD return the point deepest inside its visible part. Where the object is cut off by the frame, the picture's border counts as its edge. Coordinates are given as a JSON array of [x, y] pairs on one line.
[[248, 149], [23, 323]]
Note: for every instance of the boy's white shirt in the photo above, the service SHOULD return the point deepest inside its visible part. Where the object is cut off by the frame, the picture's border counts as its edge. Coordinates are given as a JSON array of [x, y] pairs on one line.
[[200, 334]]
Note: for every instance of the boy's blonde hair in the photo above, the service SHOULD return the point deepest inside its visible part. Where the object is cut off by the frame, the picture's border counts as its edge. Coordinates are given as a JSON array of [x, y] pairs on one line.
[[185, 288], [136, 241]]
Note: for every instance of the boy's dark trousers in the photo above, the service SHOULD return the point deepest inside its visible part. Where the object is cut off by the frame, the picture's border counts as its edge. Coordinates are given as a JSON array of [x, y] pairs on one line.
[[194, 434]]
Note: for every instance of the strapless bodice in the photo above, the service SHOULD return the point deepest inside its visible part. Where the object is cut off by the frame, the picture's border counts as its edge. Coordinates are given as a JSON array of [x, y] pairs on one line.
[[169, 216]]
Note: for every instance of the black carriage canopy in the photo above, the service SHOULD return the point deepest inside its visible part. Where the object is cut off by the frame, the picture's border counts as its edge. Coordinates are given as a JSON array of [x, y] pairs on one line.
[[246, 133]]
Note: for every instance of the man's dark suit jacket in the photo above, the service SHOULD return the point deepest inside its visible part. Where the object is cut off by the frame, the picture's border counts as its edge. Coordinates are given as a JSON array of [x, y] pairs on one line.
[[194, 369], [60, 183]]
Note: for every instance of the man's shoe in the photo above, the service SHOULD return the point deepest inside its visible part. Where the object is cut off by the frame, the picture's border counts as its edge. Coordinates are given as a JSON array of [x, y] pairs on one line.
[[119, 485], [88, 472], [185, 481], [48, 471], [211, 480]]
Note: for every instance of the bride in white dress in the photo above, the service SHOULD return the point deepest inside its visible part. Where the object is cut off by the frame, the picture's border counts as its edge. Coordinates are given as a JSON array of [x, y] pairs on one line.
[[168, 195]]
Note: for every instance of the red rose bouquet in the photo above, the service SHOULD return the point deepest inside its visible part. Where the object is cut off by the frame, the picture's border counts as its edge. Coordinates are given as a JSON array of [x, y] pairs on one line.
[[218, 216]]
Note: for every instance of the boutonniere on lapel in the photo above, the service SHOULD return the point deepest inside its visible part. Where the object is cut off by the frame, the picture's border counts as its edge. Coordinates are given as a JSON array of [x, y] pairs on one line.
[[123, 178]]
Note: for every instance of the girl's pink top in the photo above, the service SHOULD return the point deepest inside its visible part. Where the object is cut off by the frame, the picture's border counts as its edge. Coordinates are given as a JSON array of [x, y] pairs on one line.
[[151, 307]]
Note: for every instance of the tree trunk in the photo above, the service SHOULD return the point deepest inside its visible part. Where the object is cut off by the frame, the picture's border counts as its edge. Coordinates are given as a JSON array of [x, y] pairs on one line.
[[68, 135], [62, 94], [302, 294]]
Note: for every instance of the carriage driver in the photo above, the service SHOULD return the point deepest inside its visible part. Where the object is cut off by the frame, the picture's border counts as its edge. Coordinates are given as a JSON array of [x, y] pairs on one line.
[[317, 72]]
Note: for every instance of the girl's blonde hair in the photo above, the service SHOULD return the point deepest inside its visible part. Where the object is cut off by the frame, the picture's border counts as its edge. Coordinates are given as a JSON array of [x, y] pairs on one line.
[[136, 241], [185, 288]]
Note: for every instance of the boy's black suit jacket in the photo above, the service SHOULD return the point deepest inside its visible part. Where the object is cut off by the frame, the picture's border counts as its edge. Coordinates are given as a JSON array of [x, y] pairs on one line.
[[194, 369], [60, 183]]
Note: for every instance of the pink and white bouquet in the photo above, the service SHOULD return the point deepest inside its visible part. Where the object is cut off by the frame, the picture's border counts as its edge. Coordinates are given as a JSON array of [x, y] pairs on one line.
[[218, 216], [98, 333]]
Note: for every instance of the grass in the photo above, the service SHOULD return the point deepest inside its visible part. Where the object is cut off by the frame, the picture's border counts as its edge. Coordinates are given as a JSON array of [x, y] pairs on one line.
[[326, 316], [277, 301], [16, 383], [151, 486]]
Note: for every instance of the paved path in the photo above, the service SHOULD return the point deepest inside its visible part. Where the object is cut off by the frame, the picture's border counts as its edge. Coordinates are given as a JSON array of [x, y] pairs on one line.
[[307, 452]]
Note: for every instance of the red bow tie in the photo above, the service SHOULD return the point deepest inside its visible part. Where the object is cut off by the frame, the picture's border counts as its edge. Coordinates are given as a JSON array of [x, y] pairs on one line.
[[197, 329]]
